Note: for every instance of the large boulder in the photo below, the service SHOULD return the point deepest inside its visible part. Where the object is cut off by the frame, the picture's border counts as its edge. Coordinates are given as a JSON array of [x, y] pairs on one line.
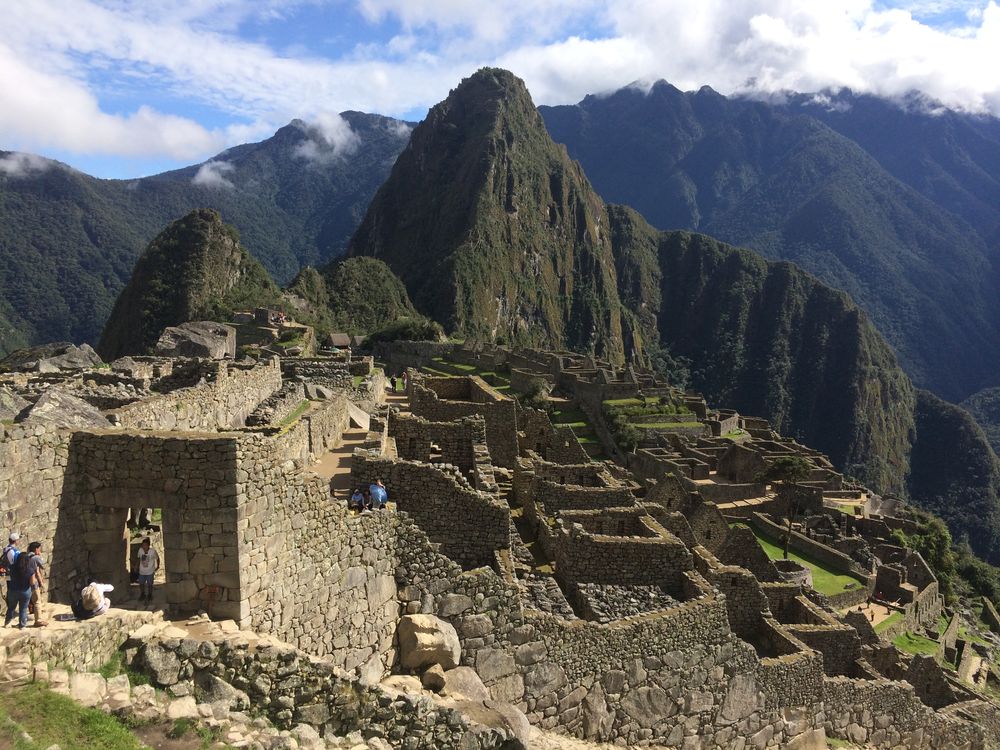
[[61, 355], [57, 408], [425, 640], [11, 404], [202, 338]]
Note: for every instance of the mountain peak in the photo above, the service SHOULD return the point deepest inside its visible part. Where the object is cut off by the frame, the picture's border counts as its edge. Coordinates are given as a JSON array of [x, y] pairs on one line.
[[494, 230]]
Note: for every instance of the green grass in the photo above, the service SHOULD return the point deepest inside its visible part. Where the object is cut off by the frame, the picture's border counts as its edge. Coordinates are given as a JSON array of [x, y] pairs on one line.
[[299, 411], [661, 425], [53, 719], [825, 581], [912, 643], [116, 665], [888, 622], [612, 402]]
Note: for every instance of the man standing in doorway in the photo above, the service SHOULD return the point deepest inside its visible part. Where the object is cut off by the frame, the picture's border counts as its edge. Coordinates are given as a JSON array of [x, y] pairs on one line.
[[149, 563]]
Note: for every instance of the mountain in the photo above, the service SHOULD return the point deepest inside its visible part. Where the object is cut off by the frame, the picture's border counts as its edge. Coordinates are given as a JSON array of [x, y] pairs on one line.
[[776, 179], [68, 241], [952, 158], [195, 269], [984, 406], [494, 230], [482, 203]]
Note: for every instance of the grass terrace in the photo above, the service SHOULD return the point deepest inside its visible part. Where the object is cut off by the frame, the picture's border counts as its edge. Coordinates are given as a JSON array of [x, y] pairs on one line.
[[913, 643], [889, 621], [825, 581]]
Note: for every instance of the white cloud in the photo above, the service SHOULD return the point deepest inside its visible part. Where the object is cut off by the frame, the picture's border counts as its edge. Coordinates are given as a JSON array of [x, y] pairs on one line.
[[69, 65], [18, 165], [212, 174], [329, 137]]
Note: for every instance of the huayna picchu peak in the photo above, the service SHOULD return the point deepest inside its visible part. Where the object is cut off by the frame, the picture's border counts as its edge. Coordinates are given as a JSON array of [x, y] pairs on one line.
[[493, 228]]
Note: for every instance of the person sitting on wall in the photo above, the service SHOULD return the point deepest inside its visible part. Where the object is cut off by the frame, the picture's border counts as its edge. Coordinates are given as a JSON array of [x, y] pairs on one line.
[[366, 503], [379, 495], [357, 501], [92, 601]]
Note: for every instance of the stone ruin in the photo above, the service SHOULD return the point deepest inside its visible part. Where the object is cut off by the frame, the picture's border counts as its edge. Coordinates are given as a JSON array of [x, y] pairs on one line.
[[614, 605]]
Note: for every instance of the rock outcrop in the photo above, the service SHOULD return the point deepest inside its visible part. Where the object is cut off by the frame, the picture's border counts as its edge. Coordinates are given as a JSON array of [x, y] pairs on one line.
[[426, 640], [52, 358], [60, 409], [201, 338]]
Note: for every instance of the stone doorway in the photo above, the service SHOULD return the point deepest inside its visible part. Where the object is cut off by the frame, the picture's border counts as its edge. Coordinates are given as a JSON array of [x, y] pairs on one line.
[[113, 548]]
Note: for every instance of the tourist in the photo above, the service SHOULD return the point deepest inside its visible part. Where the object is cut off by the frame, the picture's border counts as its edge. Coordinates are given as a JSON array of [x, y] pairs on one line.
[[357, 501], [10, 554], [378, 494], [405, 378], [392, 383], [92, 601], [366, 504], [35, 566], [19, 591], [149, 563]]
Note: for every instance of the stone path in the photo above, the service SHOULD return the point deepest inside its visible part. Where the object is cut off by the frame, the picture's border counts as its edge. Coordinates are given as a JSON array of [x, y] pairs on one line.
[[335, 465]]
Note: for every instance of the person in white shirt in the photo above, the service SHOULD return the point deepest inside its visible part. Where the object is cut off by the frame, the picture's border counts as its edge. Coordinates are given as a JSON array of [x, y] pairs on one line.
[[149, 562], [92, 601]]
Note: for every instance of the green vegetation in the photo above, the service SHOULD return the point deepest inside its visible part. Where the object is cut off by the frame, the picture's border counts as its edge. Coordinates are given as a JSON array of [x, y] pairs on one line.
[[294, 415], [984, 406], [889, 621], [912, 643], [195, 269], [116, 664], [407, 329], [53, 719], [825, 581], [363, 295], [488, 258]]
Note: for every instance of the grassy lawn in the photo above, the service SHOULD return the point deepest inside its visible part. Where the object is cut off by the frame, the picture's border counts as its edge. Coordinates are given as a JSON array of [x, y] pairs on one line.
[[652, 425], [888, 622], [53, 719], [299, 411], [825, 581], [912, 643]]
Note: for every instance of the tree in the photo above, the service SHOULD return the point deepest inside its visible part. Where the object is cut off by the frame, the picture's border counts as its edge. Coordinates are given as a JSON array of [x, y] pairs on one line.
[[787, 470]]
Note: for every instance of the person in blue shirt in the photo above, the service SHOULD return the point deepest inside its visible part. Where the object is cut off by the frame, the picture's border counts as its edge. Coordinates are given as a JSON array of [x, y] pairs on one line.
[[378, 494]]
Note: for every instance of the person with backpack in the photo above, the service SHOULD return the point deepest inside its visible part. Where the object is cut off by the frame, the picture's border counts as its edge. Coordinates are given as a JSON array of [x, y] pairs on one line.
[[9, 555], [19, 590]]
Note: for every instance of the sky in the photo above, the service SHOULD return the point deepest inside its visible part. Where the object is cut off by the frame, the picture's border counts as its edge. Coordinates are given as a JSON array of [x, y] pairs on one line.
[[121, 89]]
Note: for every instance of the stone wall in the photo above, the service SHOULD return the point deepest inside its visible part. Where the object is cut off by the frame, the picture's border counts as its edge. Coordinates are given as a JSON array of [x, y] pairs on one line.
[[831, 558], [556, 444], [471, 526], [455, 440], [33, 462], [329, 372], [432, 403], [192, 478], [887, 714], [311, 574], [278, 405], [290, 687], [223, 403]]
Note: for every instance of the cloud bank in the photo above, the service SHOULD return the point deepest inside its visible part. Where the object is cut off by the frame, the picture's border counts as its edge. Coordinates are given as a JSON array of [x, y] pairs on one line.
[[184, 80], [212, 174]]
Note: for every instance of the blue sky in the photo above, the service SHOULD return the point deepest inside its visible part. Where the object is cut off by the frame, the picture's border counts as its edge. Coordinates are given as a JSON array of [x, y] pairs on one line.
[[118, 88]]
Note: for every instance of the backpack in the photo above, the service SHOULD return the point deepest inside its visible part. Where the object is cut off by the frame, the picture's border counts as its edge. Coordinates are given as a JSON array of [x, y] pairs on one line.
[[19, 577], [6, 567]]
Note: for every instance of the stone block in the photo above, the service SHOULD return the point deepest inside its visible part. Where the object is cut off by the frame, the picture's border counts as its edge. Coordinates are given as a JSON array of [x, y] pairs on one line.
[[425, 640], [87, 688]]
